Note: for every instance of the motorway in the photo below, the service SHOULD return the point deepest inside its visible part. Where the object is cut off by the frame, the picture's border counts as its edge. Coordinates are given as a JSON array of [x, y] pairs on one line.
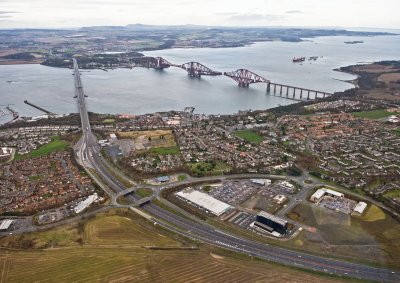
[[87, 151]]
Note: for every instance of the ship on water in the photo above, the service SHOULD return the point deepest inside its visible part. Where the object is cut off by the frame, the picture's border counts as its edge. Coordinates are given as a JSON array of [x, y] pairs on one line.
[[299, 59]]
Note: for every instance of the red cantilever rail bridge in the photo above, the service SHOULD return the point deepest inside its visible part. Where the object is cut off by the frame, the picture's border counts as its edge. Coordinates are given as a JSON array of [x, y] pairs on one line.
[[243, 77]]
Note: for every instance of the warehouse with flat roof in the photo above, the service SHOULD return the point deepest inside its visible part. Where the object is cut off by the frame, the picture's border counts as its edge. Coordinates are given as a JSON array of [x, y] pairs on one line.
[[5, 224], [320, 193], [360, 208], [205, 201], [85, 203]]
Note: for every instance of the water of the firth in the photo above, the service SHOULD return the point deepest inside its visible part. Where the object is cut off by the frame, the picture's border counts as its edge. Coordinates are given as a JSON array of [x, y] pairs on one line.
[[142, 91]]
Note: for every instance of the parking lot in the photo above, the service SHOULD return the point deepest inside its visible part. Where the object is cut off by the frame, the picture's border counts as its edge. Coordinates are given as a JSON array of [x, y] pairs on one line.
[[242, 219], [284, 187], [343, 205], [235, 192]]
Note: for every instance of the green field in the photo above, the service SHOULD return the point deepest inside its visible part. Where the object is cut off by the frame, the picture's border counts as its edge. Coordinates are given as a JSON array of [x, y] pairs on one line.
[[374, 114], [249, 136], [209, 168], [396, 132], [108, 121], [171, 150], [182, 177], [392, 194], [35, 177], [55, 145], [115, 248], [144, 192]]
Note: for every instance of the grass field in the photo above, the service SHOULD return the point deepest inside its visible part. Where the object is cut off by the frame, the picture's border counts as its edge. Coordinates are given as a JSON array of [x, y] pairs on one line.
[[182, 177], [205, 168], [112, 251], [373, 214], [392, 194], [144, 192], [374, 114], [172, 150], [249, 136], [55, 145], [396, 132], [372, 237], [108, 121]]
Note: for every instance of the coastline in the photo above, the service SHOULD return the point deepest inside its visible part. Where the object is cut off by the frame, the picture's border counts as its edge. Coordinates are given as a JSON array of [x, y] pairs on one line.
[[17, 62]]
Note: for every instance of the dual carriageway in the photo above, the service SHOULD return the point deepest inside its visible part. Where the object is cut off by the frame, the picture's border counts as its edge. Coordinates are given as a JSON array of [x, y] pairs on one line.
[[87, 151]]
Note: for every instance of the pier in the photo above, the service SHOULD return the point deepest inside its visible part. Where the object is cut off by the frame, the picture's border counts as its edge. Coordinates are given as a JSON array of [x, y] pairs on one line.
[[38, 107]]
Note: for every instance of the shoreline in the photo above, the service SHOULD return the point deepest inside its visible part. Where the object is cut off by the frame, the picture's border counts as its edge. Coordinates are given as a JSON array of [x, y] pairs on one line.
[[16, 62]]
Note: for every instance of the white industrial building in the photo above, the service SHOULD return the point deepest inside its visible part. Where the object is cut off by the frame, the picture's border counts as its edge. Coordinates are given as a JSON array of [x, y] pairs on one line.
[[320, 193], [5, 224], [5, 151], [279, 199], [206, 201], [263, 182], [85, 203], [360, 208]]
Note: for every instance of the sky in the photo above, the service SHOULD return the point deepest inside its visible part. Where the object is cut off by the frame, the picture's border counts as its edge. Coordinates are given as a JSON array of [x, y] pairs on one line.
[[305, 13]]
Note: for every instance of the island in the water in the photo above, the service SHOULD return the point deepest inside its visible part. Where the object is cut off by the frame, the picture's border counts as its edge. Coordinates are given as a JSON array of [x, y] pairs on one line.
[[354, 42]]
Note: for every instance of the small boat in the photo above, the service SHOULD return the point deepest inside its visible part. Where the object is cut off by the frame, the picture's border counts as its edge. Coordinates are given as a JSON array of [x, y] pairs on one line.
[[9, 82], [299, 59]]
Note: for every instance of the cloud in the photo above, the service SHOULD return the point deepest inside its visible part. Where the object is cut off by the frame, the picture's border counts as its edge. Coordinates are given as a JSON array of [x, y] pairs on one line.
[[8, 12], [294, 12], [225, 14], [255, 17]]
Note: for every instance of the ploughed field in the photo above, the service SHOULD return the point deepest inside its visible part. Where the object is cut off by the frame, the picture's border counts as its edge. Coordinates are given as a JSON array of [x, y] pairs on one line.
[[110, 248]]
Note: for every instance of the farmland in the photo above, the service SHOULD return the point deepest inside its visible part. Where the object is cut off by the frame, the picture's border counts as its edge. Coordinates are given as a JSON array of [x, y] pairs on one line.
[[112, 249]]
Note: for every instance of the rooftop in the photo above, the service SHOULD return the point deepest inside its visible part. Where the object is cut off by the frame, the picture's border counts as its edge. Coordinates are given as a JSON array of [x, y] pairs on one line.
[[217, 207], [272, 217]]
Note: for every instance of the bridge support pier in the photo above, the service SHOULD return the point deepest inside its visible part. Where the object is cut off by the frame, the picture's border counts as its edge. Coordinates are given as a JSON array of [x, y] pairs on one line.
[[274, 88], [301, 93], [294, 92], [287, 91], [280, 92], [268, 87], [308, 95], [324, 94]]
